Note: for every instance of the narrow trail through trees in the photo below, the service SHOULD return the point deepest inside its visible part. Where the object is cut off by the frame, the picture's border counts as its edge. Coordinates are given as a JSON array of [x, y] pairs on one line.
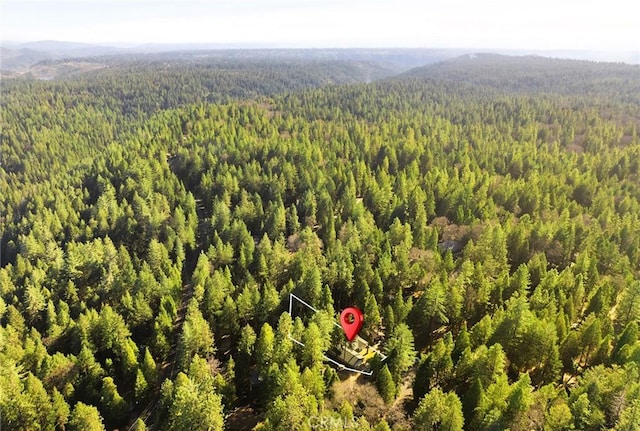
[[168, 369]]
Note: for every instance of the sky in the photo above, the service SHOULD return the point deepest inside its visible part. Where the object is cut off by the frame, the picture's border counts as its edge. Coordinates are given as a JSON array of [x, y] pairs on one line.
[[610, 25]]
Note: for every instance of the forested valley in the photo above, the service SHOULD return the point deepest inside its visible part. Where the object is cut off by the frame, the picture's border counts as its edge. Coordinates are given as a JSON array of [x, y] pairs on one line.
[[483, 213]]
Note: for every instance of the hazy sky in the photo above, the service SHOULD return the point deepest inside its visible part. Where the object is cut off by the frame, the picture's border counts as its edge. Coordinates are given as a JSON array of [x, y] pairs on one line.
[[538, 24]]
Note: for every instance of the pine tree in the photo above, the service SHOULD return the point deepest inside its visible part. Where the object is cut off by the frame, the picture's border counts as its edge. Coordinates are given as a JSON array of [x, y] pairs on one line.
[[60, 408], [438, 410], [385, 384], [194, 409], [471, 400], [149, 368], [196, 337], [114, 406], [141, 387], [401, 351], [139, 425], [265, 346], [85, 418]]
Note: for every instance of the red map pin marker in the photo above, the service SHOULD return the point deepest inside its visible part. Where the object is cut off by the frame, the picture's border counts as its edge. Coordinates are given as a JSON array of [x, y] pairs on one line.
[[351, 320]]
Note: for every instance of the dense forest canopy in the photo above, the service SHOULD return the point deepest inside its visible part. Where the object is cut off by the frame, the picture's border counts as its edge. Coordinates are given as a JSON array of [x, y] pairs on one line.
[[483, 213]]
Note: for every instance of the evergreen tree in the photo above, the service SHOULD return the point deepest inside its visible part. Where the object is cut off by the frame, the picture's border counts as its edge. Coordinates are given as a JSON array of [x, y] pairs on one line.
[[438, 410], [85, 418], [385, 384]]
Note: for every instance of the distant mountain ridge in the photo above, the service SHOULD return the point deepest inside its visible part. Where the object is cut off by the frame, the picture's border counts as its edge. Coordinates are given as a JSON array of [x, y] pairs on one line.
[[51, 45], [21, 58], [17, 58], [531, 74]]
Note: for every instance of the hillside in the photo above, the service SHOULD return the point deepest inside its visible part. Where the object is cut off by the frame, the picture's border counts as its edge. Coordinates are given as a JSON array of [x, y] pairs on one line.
[[482, 212], [21, 59], [534, 74]]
